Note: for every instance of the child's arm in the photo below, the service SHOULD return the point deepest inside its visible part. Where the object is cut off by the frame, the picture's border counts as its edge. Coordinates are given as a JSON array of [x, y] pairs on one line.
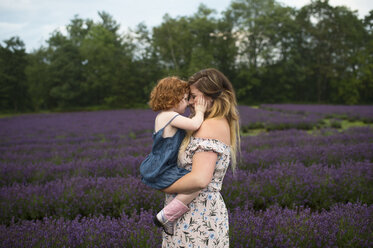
[[195, 122]]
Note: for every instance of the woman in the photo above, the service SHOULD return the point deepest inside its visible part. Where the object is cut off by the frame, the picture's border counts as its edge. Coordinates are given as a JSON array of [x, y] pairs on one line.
[[206, 153]]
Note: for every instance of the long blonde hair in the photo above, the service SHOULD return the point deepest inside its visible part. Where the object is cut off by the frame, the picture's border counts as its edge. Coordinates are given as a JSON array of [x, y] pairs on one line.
[[216, 85]]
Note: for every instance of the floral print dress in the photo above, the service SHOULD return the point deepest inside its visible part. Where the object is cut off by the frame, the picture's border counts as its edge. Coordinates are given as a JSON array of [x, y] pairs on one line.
[[206, 223]]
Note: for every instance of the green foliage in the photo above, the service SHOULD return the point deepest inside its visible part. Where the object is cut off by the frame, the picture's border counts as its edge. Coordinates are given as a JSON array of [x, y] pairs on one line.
[[272, 54], [13, 87]]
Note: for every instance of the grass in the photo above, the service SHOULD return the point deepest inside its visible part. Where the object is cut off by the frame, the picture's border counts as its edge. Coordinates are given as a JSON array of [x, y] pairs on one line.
[[347, 124], [253, 132], [335, 124], [338, 125]]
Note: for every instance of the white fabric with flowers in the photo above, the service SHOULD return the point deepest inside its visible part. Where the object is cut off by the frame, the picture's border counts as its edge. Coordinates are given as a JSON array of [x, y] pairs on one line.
[[206, 224]]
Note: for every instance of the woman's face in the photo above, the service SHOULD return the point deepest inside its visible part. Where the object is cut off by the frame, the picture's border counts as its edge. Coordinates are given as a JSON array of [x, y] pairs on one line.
[[194, 94]]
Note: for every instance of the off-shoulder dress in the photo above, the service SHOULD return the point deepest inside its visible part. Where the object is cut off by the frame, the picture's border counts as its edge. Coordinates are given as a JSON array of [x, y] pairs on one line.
[[206, 224]]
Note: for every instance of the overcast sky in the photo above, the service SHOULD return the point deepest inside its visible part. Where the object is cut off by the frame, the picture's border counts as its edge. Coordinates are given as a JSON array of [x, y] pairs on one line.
[[34, 20]]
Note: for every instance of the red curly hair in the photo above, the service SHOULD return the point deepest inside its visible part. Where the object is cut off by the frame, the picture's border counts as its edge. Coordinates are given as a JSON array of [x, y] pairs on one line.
[[168, 93]]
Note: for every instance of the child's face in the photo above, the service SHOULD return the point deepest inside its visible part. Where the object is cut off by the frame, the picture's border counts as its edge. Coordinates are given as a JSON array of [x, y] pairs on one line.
[[183, 104]]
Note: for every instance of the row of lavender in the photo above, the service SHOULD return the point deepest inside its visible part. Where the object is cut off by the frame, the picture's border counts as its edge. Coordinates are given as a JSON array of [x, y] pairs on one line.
[[344, 225], [113, 155], [36, 127], [254, 118], [287, 185], [74, 166], [352, 113], [84, 125]]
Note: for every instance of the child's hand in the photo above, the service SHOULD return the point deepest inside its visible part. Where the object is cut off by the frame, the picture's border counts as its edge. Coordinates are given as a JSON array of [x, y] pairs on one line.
[[201, 104]]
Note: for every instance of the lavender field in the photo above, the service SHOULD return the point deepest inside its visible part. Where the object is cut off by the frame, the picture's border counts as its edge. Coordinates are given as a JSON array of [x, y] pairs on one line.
[[305, 179]]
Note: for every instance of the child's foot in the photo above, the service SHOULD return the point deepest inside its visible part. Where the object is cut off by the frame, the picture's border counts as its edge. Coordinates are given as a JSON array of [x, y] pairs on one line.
[[167, 217], [161, 221]]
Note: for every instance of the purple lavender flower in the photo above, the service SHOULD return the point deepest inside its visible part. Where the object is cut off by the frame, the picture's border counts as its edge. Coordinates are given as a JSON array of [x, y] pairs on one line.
[[72, 179]]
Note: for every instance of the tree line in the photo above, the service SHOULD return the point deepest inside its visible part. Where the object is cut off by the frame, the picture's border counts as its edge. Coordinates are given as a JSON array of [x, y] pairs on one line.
[[271, 52]]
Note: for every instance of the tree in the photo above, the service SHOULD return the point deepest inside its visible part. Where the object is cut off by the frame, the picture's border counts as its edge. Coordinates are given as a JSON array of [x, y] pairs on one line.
[[101, 63], [254, 29], [65, 67], [271, 52], [265, 33], [13, 87], [365, 60], [108, 66], [39, 80], [173, 44], [333, 38], [146, 68], [188, 44]]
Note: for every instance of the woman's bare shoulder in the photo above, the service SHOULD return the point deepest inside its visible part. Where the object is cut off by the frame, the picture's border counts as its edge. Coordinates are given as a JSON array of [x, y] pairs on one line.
[[215, 129]]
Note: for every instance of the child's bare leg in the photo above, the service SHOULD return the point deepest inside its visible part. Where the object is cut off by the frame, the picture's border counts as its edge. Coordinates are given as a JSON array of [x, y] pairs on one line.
[[187, 198]]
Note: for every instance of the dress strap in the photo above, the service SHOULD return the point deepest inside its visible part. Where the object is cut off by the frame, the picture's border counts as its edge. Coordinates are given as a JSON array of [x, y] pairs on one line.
[[170, 121]]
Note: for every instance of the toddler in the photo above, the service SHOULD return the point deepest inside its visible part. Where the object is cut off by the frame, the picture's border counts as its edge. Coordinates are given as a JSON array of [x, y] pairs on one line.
[[159, 169]]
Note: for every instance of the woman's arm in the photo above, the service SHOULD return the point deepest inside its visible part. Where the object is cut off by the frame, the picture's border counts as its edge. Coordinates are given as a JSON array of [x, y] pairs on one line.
[[203, 162], [202, 170]]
